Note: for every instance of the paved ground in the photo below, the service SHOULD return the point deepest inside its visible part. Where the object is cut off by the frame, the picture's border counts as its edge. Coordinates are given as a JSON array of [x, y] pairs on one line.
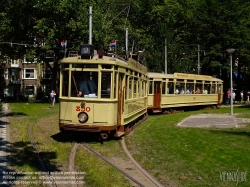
[[213, 120], [4, 143]]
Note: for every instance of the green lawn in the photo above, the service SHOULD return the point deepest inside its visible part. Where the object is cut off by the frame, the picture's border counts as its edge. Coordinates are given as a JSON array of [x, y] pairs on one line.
[[186, 156], [192, 156], [55, 146]]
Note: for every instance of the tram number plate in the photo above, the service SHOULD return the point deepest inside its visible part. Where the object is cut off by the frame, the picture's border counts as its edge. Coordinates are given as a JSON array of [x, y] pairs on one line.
[[84, 109]]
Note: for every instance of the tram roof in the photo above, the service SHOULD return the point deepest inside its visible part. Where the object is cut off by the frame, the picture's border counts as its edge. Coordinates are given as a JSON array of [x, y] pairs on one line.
[[183, 76], [130, 63]]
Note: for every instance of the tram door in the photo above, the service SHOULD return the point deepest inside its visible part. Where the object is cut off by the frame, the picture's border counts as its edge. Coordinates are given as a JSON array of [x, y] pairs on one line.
[[219, 95], [157, 94], [120, 99]]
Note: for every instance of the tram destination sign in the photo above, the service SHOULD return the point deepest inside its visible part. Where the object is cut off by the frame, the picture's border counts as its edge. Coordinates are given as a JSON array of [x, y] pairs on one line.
[[192, 76]]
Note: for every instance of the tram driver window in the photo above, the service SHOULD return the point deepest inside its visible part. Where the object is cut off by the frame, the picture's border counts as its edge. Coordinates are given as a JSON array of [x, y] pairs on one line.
[[86, 83]]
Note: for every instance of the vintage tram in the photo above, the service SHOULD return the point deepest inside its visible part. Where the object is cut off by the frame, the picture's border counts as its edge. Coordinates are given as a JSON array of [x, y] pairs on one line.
[[168, 91], [118, 101]]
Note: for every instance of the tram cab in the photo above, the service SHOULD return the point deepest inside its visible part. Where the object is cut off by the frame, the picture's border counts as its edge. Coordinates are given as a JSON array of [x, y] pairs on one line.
[[101, 93]]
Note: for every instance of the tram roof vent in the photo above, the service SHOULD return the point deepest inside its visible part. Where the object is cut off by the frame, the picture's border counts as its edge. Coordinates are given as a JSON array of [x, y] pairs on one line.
[[87, 51]]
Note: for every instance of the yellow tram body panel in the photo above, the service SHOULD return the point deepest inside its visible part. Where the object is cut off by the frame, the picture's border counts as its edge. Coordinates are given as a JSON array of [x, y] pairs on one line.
[[134, 108], [98, 113]]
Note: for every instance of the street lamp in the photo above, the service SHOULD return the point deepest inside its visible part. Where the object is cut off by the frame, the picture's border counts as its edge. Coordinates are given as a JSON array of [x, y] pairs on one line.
[[230, 51]]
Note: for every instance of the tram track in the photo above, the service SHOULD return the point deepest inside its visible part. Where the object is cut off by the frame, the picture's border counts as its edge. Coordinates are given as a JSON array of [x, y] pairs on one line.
[[40, 159], [42, 162], [143, 178], [143, 181]]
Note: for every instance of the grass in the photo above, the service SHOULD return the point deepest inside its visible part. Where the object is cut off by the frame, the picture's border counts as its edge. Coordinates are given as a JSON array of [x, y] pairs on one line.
[[191, 156], [99, 173], [55, 146], [23, 156], [188, 156]]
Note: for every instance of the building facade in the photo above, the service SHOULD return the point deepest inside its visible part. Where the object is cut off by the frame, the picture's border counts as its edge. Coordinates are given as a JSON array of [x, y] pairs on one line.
[[26, 78]]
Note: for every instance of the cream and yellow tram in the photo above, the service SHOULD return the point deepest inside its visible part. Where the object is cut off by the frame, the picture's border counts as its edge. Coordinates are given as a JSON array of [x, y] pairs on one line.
[[168, 91], [119, 99]]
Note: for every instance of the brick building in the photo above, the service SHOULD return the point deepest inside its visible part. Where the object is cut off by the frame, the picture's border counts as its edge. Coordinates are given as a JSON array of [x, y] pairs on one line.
[[23, 78]]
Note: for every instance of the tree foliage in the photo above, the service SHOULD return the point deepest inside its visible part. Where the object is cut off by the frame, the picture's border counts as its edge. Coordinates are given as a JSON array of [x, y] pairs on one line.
[[214, 25]]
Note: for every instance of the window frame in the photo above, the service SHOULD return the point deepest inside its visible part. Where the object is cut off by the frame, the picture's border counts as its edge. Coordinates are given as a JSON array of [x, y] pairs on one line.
[[24, 73]]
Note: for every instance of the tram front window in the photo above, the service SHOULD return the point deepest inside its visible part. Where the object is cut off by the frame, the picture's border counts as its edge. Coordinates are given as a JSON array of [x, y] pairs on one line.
[[84, 84], [65, 83]]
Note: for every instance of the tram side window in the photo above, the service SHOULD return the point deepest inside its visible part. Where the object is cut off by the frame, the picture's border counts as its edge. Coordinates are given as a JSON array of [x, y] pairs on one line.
[[139, 88], [130, 87], [86, 83], [126, 83], [213, 91], [163, 88], [150, 91], [198, 87], [143, 89], [206, 88], [135, 87], [219, 88], [170, 89], [114, 86], [106, 85], [65, 83], [179, 88], [190, 87]]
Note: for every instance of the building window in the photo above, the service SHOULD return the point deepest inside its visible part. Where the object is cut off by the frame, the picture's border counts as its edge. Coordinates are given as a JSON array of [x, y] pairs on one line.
[[47, 74], [29, 90], [6, 72], [29, 74]]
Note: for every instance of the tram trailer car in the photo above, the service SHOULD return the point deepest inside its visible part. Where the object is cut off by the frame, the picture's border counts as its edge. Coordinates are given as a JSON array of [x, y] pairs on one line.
[[168, 91], [118, 102]]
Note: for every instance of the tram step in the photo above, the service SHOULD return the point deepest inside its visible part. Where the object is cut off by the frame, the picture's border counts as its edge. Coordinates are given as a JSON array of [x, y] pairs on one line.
[[157, 110], [119, 134]]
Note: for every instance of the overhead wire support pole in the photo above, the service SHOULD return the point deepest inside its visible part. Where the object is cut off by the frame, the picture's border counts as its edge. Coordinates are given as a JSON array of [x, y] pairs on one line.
[[90, 25], [198, 59], [166, 56], [230, 51]]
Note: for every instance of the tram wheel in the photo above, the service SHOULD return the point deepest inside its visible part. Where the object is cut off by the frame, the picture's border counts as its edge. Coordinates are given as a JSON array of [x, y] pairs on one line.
[[104, 136]]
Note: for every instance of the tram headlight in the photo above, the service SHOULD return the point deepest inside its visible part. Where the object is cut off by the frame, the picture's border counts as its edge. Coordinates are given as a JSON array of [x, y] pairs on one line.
[[83, 117]]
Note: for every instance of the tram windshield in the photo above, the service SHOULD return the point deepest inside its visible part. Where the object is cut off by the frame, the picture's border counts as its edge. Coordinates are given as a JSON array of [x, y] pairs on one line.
[[86, 84]]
